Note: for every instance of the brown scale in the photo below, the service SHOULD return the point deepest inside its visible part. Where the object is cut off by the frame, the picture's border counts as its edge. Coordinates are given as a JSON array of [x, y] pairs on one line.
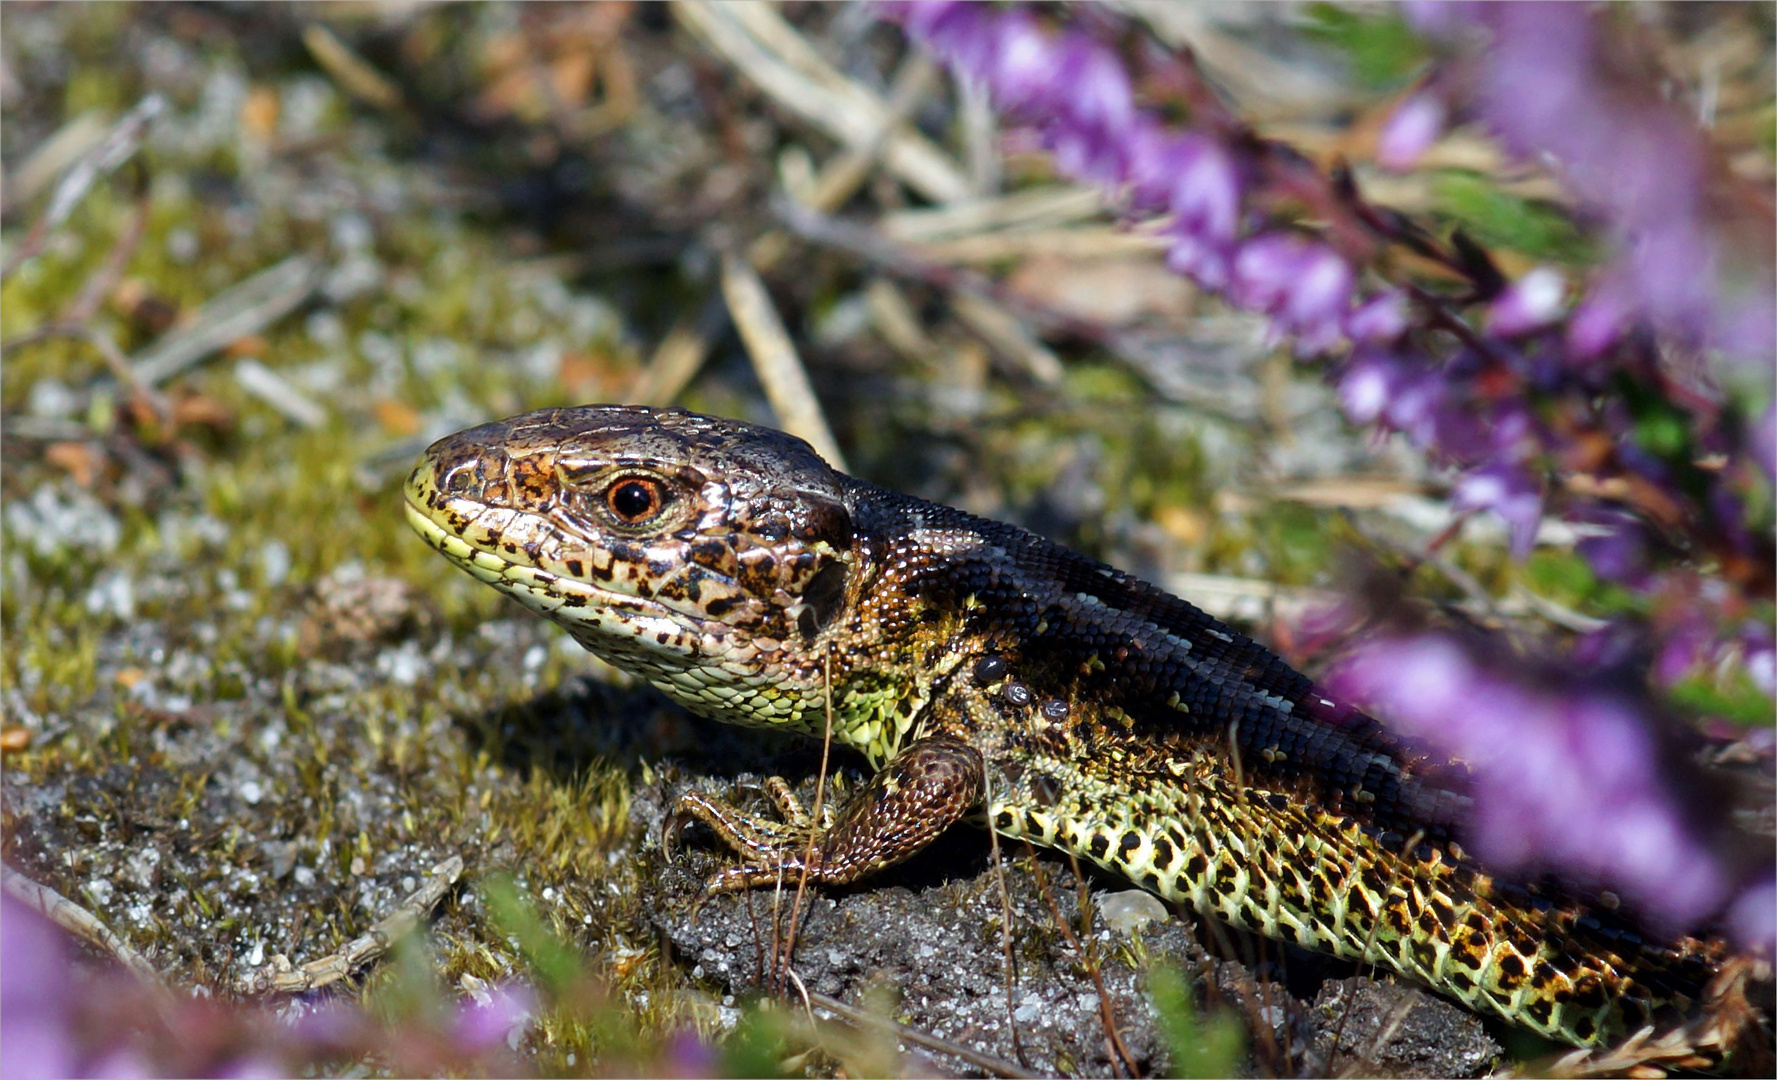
[[985, 670]]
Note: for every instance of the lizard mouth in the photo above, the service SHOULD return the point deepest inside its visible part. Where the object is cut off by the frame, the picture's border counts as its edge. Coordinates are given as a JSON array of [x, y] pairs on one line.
[[579, 606]]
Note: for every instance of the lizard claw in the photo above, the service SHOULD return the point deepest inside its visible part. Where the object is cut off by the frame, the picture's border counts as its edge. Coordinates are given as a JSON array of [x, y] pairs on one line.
[[674, 826]]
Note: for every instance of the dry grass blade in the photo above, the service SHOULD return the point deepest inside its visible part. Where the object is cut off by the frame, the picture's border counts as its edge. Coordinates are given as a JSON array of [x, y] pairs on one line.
[[1007, 335], [118, 146], [673, 364], [71, 141], [846, 171], [753, 38], [275, 390], [820, 792], [364, 948], [244, 309], [775, 360], [1044, 207], [989, 1064], [349, 69]]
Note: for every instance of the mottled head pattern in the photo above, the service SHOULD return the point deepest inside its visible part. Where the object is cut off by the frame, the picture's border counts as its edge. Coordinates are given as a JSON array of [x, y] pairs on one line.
[[686, 549]]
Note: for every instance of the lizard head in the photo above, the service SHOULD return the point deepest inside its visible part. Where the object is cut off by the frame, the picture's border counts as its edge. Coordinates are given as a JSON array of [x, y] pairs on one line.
[[690, 550]]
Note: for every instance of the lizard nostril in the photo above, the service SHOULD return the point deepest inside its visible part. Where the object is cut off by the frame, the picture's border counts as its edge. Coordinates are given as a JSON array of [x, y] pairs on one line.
[[459, 479]]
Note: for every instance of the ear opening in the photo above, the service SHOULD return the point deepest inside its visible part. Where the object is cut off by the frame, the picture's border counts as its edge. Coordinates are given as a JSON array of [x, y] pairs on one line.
[[822, 598]]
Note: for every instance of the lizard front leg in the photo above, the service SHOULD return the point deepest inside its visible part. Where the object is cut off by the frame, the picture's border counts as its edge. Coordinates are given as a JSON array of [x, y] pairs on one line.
[[904, 807]]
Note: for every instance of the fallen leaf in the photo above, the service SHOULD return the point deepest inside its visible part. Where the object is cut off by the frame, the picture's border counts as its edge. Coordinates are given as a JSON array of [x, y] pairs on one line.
[[396, 417], [80, 459]]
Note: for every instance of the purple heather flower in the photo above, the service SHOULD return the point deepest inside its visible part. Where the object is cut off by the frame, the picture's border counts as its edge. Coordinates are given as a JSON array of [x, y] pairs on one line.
[[1415, 124], [1753, 918], [1529, 303], [687, 1055], [1101, 112], [1304, 285], [1566, 781], [1596, 324], [1367, 384], [1022, 66], [1510, 492], [1545, 90], [36, 993], [1441, 18], [494, 1019], [1382, 318], [1618, 552]]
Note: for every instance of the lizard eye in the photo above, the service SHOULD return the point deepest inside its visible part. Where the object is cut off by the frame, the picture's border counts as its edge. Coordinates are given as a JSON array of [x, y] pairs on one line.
[[636, 500]]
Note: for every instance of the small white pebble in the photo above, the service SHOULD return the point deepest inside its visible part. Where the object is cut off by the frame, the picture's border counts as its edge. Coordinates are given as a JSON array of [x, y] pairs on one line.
[[1128, 911]]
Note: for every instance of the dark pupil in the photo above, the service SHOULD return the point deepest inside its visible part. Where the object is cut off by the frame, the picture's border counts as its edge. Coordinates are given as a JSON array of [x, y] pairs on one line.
[[632, 500]]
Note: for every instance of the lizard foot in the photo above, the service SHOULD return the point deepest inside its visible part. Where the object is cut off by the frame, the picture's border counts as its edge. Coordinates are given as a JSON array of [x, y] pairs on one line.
[[904, 807]]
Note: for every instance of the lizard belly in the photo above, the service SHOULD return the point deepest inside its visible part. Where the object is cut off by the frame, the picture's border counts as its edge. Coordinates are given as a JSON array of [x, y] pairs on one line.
[[1268, 864]]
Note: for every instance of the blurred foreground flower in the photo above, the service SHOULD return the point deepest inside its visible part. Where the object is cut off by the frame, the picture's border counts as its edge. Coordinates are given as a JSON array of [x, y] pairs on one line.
[[1568, 778], [1544, 399], [1591, 400], [1551, 88], [36, 993], [61, 1017]]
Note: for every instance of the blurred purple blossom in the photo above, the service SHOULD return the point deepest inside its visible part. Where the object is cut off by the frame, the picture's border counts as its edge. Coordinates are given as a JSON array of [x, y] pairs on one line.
[[1530, 303], [1304, 286], [1510, 492], [1753, 918], [1528, 393], [494, 1019], [1548, 90], [1565, 779], [1380, 319], [35, 995], [687, 1055], [60, 1017], [1410, 131]]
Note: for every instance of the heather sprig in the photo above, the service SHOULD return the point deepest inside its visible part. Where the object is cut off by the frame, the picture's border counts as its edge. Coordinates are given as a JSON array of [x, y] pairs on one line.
[[1568, 777], [1550, 85], [1541, 398], [1591, 399]]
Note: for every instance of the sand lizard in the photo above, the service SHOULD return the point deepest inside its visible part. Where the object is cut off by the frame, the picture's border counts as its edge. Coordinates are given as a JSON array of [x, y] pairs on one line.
[[984, 671]]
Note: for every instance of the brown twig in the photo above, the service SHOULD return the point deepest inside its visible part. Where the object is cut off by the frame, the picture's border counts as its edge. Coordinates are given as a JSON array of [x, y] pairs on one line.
[[80, 922], [362, 949], [775, 360]]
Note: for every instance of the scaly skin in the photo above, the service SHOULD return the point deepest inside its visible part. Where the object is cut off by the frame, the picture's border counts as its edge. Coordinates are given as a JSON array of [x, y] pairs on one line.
[[982, 669]]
